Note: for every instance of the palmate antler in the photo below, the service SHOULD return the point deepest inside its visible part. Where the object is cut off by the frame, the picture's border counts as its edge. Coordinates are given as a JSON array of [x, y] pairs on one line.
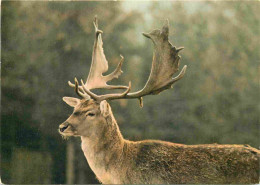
[[165, 64], [99, 66]]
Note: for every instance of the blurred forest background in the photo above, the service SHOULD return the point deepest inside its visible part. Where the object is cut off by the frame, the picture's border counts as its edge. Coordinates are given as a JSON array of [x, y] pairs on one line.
[[45, 44]]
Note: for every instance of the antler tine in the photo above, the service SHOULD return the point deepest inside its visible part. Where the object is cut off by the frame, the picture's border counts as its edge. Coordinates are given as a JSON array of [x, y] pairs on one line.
[[115, 74], [78, 91], [91, 94], [95, 22], [118, 96], [175, 79], [73, 85], [107, 96]]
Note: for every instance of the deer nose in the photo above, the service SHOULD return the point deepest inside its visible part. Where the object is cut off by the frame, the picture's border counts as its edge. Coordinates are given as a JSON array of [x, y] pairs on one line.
[[63, 127]]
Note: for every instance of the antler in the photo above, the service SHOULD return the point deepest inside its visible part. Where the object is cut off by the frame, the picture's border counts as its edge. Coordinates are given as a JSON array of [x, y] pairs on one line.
[[99, 66], [165, 64]]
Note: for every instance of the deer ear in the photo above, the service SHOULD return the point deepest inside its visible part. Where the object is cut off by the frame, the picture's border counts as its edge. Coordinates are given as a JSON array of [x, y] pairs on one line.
[[71, 101], [104, 108]]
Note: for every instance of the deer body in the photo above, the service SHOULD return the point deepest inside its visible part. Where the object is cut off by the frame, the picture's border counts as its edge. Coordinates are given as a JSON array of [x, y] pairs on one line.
[[115, 160]]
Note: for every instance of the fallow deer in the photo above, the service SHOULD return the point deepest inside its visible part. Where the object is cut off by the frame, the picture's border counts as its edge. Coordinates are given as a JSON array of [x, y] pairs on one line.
[[115, 160]]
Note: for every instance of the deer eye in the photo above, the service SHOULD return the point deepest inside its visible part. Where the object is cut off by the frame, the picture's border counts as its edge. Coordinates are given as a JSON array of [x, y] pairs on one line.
[[91, 114]]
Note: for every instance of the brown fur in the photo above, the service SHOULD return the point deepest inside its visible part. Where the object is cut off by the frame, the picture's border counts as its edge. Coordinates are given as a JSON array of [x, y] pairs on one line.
[[115, 160]]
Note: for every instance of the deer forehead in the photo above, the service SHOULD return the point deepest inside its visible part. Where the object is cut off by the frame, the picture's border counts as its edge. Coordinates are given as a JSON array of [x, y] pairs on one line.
[[87, 104]]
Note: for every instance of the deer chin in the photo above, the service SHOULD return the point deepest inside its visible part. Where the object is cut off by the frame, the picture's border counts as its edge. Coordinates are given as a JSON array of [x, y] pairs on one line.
[[67, 134]]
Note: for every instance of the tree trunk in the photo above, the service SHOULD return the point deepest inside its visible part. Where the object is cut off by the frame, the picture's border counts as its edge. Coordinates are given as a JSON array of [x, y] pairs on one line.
[[70, 163]]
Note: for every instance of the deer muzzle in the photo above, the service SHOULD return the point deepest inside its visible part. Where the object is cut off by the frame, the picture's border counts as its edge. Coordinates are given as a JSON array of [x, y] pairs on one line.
[[63, 126]]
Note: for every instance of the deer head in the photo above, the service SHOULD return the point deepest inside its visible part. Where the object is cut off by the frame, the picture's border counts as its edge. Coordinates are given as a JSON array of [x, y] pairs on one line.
[[91, 111], [87, 118]]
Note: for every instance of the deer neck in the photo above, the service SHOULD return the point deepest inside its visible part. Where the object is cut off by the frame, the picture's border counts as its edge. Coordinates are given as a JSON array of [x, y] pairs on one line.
[[104, 151]]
